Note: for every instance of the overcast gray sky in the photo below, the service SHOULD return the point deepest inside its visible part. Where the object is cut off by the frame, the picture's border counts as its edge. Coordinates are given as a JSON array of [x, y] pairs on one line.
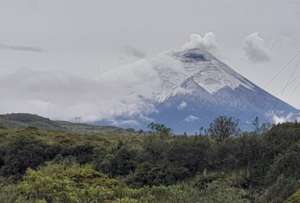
[[85, 38]]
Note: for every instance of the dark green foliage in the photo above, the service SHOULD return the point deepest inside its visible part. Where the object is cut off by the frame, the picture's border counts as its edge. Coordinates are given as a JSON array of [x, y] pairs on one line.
[[120, 163], [280, 190], [165, 173], [154, 167], [192, 154], [287, 164], [22, 153], [82, 153], [154, 148], [282, 136]]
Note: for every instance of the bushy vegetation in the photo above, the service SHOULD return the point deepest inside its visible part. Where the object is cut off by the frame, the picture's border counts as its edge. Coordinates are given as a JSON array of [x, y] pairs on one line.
[[156, 167]]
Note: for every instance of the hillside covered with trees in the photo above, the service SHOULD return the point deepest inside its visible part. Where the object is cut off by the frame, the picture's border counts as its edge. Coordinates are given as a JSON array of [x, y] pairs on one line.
[[220, 164]]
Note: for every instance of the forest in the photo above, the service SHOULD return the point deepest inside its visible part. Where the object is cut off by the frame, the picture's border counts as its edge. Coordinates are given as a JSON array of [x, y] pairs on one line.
[[220, 164]]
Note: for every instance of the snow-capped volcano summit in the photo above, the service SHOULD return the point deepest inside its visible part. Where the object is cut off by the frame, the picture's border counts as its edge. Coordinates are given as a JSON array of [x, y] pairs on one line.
[[187, 89], [208, 72]]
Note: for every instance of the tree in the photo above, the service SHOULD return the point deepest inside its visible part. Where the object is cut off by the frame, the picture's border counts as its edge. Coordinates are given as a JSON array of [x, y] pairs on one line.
[[223, 127], [260, 128], [159, 129], [256, 125], [123, 161]]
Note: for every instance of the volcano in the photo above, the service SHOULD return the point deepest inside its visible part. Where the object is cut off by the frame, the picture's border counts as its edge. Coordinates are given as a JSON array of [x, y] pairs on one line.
[[189, 88]]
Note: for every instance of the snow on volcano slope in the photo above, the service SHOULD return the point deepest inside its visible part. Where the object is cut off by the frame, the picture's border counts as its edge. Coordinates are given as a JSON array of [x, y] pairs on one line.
[[187, 89], [162, 76]]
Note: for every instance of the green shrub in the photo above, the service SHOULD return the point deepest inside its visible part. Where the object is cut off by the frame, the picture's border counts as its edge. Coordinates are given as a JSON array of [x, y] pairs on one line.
[[67, 183]]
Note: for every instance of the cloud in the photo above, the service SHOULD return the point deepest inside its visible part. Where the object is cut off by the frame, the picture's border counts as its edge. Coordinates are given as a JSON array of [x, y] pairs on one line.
[[65, 96], [208, 42], [130, 90], [132, 51], [21, 48], [280, 119], [126, 123], [291, 117], [191, 118], [130, 55], [182, 105], [256, 49]]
